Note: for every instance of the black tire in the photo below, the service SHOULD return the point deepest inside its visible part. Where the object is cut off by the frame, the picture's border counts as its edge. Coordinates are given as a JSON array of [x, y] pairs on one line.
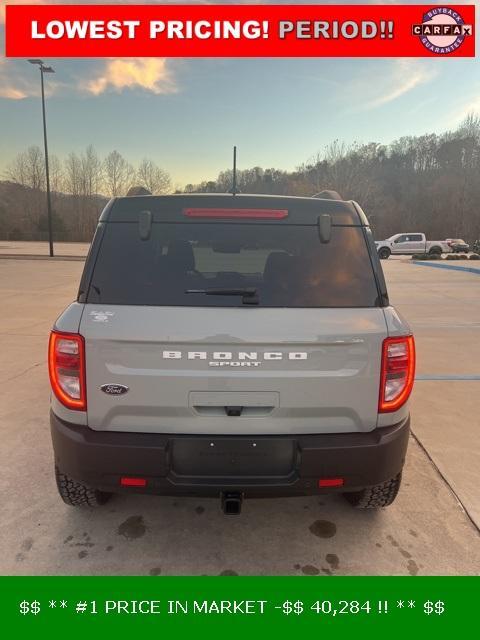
[[380, 495], [435, 251], [384, 253], [76, 494]]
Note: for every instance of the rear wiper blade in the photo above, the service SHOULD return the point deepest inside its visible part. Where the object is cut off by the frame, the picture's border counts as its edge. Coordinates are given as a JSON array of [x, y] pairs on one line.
[[221, 291], [249, 294]]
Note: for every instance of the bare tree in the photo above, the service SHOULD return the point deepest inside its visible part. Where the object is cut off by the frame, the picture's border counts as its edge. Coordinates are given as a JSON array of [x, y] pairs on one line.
[[28, 168], [153, 178], [83, 181], [91, 172], [118, 174], [73, 173], [16, 170], [56, 173], [470, 126]]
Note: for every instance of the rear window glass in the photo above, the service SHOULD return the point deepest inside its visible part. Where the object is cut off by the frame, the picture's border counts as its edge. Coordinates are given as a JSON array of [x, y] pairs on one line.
[[278, 265]]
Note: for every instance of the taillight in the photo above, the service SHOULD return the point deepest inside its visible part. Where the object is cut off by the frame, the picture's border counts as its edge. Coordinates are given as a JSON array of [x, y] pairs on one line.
[[66, 367], [267, 214], [397, 374]]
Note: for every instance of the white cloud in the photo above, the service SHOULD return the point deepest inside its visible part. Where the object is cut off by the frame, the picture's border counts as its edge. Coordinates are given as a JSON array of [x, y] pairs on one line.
[[2, 7], [151, 74], [473, 105], [470, 106], [405, 76], [383, 82], [19, 80], [11, 93], [12, 86]]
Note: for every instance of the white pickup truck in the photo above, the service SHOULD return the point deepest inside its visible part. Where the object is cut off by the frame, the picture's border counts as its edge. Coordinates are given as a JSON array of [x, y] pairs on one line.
[[408, 243]]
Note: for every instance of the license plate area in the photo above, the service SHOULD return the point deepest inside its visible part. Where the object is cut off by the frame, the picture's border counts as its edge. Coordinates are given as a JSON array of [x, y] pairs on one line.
[[210, 458]]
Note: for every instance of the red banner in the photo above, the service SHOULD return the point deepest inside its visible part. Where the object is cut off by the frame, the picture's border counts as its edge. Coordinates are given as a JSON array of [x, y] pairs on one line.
[[119, 31]]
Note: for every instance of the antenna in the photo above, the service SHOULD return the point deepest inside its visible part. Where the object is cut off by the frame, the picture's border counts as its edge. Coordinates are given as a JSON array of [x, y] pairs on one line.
[[234, 176]]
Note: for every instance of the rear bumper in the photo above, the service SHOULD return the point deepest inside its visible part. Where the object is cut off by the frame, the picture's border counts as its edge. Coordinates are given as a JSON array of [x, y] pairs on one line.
[[209, 465]]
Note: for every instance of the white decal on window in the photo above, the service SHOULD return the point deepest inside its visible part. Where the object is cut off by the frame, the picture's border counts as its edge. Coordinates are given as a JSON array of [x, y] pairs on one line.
[[101, 316]]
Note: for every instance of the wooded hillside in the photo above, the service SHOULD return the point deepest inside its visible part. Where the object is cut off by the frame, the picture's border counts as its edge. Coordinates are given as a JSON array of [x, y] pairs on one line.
[[428, 183]]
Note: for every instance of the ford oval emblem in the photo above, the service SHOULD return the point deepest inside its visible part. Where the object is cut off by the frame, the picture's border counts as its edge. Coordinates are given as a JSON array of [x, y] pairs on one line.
[[114, 389]]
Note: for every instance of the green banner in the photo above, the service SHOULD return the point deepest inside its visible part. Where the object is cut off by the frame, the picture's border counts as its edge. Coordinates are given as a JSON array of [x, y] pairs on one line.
[[238, 607]]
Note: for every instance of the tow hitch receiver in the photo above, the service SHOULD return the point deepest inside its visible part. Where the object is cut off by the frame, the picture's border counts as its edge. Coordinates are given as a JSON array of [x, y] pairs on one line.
[[233, 412], [232, 503]]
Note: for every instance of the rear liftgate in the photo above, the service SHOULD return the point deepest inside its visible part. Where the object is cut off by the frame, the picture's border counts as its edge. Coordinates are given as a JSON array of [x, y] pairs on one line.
[[322, 361]]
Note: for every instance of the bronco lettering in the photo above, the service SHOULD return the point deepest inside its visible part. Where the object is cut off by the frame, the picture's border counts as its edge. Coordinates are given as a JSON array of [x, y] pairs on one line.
[[242, 355]]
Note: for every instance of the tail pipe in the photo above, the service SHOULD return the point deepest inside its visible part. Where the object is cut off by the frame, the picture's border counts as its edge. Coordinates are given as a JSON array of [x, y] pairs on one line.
[[232, 503]]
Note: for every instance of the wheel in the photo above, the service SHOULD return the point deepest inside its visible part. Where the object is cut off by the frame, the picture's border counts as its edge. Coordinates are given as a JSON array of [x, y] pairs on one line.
[[384, 253], [76, 494], [380, 495], [435, 251]]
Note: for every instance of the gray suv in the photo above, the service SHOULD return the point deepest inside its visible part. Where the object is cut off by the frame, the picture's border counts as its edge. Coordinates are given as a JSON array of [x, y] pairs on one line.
[[232, 346]]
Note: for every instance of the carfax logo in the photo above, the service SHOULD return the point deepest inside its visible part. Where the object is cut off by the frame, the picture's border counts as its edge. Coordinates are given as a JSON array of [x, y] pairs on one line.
[[442, 30]]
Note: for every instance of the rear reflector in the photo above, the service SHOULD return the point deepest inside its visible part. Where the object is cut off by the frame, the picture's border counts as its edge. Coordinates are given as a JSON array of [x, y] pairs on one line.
[[66, 368], [397, 373], [331, 482], [133, 482], [266, 214]]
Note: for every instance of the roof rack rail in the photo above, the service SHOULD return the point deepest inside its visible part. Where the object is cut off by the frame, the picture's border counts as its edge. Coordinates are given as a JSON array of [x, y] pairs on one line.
[[328, 194], [138, 191]]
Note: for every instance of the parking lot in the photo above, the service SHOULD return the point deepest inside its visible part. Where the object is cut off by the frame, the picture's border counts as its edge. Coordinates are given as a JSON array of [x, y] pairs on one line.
[[432, 528]]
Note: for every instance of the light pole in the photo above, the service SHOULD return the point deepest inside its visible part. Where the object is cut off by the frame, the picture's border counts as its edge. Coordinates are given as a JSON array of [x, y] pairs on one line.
[[44, 69]]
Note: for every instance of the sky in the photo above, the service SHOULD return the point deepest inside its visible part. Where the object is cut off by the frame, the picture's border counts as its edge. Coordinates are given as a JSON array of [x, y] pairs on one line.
[[186, 114]]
